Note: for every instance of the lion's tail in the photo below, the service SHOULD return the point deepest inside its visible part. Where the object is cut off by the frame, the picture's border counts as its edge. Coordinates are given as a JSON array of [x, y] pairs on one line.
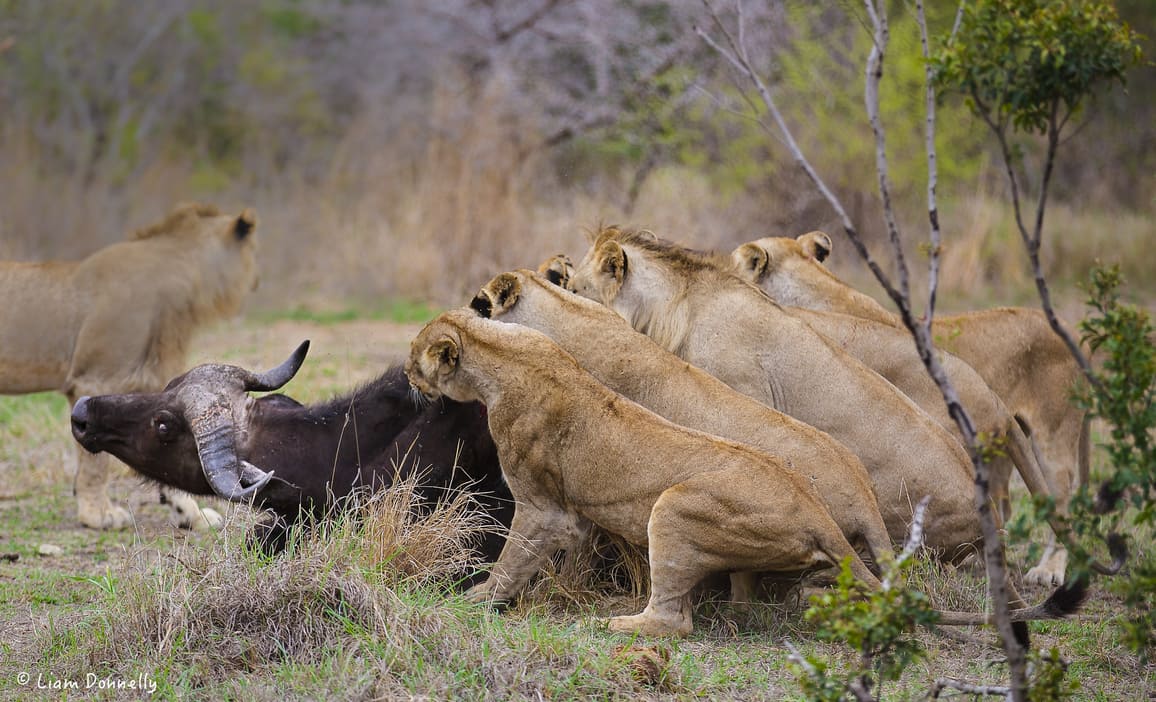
[[1066, 599]]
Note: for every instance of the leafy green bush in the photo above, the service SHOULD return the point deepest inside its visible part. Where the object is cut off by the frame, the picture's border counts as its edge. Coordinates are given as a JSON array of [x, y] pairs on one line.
[[875, 623]]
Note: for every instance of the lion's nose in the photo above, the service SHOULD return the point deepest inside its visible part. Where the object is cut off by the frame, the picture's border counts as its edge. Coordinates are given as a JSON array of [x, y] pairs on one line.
[[80, 417]]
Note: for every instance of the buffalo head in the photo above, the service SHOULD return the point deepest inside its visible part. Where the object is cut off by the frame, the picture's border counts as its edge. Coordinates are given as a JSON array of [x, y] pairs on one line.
[[187, 435]]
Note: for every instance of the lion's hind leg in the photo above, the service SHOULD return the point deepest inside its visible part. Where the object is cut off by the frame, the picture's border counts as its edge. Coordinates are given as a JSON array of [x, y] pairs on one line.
[[93, 508]]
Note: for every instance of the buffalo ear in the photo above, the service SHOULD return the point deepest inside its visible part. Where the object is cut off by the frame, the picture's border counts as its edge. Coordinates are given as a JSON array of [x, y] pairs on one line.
[[752, 261], [612, 260], [245, 224], [816, 245]]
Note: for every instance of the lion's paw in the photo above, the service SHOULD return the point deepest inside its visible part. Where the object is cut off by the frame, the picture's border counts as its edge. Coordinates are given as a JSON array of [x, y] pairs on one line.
[[1049, 573], [185, 514], [648, 625], [102, 514], [211, 518]]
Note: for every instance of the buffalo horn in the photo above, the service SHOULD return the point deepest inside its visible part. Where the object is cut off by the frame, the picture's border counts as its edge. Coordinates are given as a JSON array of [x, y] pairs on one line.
[[220, 463], [275, 378]]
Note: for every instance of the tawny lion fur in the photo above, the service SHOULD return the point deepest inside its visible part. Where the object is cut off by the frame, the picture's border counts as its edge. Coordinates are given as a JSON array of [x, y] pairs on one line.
[[1014, 350], [575, 453], [733, 331], [121, 321], [632, 365]]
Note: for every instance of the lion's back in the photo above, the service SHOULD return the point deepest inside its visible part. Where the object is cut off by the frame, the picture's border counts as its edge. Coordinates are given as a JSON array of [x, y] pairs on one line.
[[120, 320], [39, 316]]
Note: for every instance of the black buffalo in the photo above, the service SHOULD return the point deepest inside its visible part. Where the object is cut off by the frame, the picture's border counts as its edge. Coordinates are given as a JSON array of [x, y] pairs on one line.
[[204, 434]]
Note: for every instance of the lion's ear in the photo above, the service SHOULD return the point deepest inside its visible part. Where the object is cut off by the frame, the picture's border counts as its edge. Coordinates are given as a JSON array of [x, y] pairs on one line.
[[503, 292], [482, 305], [246, 223], [752, 261], [816, 245], [445, 352], [557, 269], [612, 260]]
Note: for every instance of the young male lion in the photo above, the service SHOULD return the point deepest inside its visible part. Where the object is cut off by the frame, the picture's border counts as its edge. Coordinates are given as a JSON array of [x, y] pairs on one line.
[[575, 453], [1013, 349], [121, 321]]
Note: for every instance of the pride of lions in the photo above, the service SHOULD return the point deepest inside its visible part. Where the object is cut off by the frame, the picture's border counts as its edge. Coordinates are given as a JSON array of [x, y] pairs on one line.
[[742, 413]]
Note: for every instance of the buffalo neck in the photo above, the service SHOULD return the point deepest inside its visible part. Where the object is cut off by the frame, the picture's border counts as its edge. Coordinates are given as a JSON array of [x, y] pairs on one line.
[[331, 441]]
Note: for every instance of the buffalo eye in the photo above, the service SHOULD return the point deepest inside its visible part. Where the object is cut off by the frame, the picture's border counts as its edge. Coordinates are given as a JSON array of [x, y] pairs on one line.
[[165, 426]]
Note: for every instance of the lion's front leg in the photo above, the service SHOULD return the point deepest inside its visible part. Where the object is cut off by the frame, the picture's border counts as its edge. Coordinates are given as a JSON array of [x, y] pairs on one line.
[[535, 535], [93, 507]]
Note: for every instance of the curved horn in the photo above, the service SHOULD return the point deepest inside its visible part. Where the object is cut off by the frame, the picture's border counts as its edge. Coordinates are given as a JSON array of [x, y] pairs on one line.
[[275, 378], [221, 465]]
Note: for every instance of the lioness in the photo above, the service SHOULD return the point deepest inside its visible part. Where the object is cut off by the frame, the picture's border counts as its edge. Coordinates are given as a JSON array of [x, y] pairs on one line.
[[890, 352], [732, 330], [632, 365], [575, 453], [1013, 349], [121, 321]]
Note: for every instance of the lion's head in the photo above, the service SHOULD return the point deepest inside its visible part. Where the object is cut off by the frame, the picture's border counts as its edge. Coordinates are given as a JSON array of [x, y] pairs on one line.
[[757, 260], [791, 271], [434, 360], [224, 245]]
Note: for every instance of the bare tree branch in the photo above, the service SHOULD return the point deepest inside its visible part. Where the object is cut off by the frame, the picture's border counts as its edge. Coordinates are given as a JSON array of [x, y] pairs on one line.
[[736, 54], [932, 170], [874, 75], [1032, 240], [914, 537], [952, 684]]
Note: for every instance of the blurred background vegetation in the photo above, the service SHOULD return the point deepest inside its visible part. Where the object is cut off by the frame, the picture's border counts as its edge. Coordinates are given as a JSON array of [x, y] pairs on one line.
[[402, 149]]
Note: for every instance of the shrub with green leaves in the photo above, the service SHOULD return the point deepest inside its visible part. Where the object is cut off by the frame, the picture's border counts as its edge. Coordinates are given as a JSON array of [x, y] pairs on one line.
[[876, 623], [1033, 61], [1123, 397]]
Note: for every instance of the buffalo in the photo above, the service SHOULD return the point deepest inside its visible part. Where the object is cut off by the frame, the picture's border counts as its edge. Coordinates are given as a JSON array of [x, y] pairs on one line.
[[205, 435]]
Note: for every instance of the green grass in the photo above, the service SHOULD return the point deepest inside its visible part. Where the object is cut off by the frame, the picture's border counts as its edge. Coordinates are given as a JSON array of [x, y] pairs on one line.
[[206, 620], [401, 311]]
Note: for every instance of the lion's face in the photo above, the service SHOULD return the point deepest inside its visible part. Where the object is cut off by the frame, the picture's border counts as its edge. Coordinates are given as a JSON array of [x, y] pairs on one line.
[[434, 361], [601, 272], [234, 249], [773, 261]]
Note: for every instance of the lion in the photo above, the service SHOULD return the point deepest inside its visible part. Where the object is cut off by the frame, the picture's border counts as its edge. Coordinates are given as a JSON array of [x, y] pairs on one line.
[[1013, 349], [121, 321], [576, 454], [632, 365], [889, 351], [635, 367], [733, 331]]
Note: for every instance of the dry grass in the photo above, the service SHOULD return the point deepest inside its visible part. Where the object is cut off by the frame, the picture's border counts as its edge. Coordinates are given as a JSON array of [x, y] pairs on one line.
[[431, 211], [364, 608]]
